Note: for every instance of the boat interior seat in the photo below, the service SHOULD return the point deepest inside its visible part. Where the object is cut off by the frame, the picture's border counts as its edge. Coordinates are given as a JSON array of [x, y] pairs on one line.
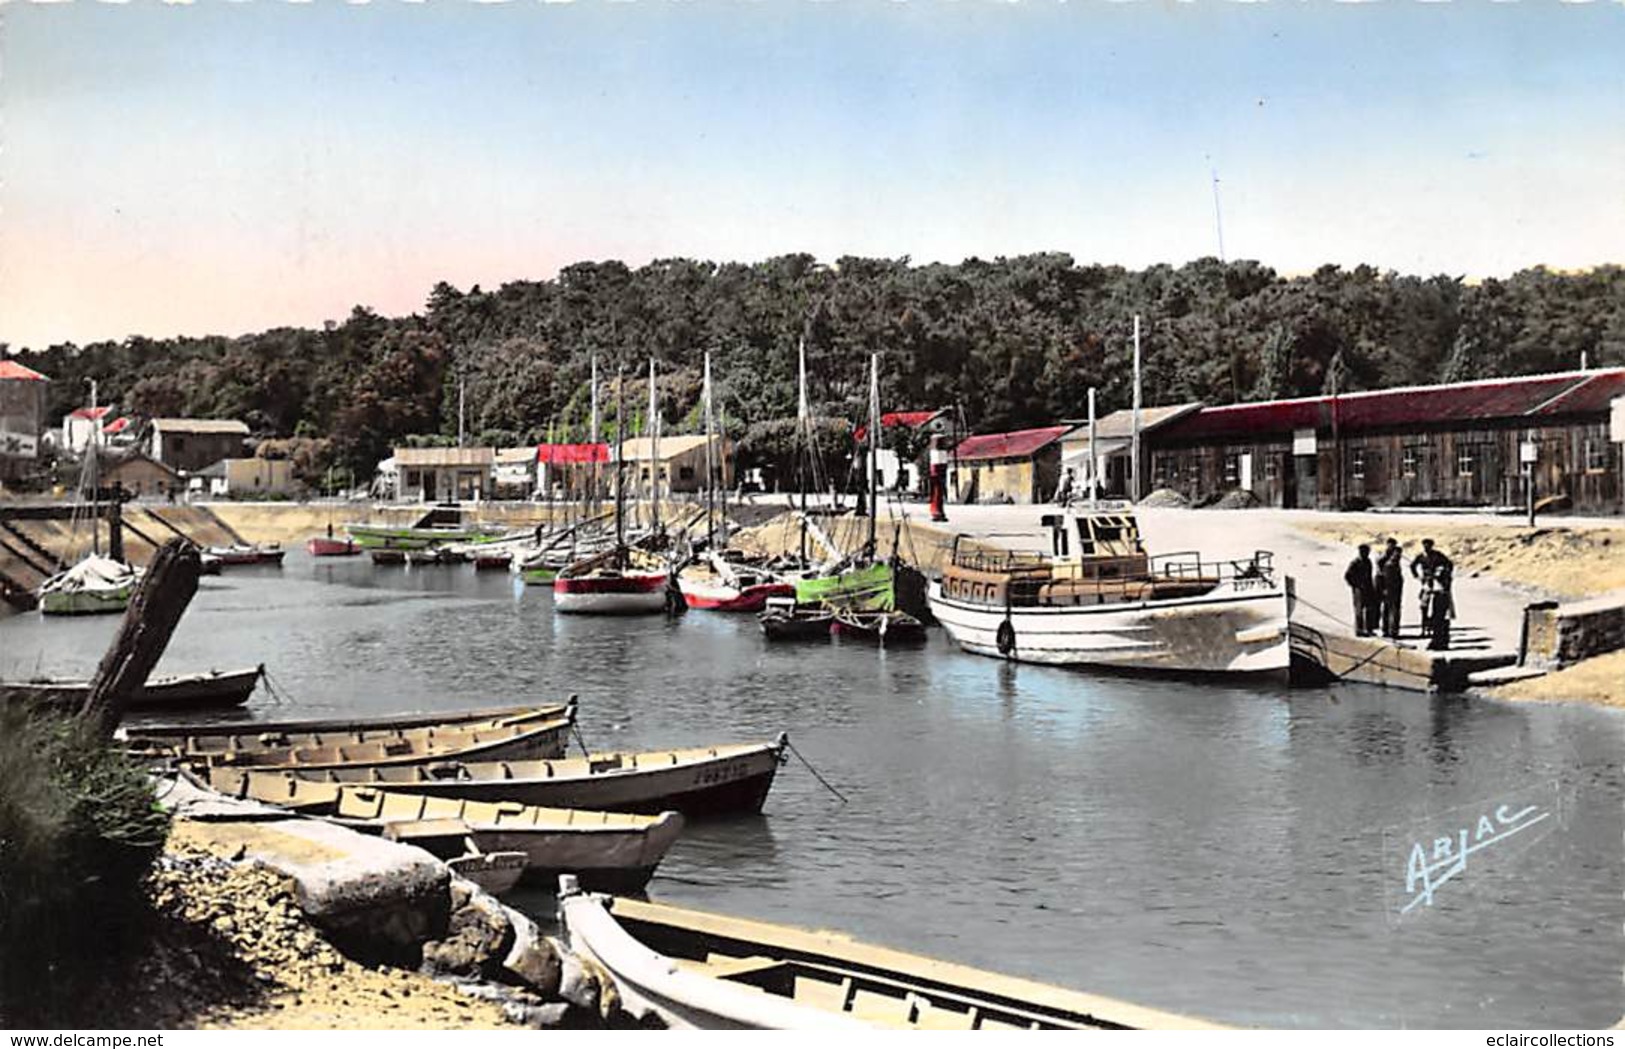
[[729, 967], [822, 994], [930, 1017], [605, 764], [882, 1008]]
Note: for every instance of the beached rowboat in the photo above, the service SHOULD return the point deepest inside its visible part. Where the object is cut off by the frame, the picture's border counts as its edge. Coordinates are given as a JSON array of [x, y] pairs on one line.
[[512, 739], [700, 781], [705, 971], [300, 729], [214, 688]]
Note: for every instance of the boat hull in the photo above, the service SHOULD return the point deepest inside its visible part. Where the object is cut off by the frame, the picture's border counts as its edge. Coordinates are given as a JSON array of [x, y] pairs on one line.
[[321, 547], [735, 782], [1234, 629], [213, 689], [722, 598], [86, 602], [635, 593]]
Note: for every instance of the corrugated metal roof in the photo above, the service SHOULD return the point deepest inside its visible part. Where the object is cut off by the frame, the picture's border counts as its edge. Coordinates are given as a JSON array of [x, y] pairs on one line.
[[567, 454], [200, 426], [420, 457], [1523, 397], [522, 456], [13, 370], [1120, 424], [1016, 445], [90, 413]]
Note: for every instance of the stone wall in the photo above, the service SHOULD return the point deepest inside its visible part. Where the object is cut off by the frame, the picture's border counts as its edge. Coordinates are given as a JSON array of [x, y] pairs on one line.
[[1556, 636]]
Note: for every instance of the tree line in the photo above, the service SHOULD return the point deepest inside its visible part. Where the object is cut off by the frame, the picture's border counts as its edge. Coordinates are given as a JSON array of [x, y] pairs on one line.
[[1007, 343]]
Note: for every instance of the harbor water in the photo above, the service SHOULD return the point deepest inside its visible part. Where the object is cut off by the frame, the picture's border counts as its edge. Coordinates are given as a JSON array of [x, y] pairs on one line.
[[1236, 852]]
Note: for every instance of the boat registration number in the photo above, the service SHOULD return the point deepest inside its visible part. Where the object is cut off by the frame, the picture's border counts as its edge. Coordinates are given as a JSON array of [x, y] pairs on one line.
[[723, 773]]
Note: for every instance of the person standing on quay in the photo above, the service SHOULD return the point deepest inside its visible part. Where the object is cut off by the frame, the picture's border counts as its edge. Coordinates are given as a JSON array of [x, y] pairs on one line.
[[1391, 587], [1362, 587], [1435, 570]]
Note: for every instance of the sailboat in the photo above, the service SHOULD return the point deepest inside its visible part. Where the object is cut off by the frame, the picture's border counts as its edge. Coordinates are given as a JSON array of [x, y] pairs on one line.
[[625, 579], [96, 584], [856, 582], [725, 580]]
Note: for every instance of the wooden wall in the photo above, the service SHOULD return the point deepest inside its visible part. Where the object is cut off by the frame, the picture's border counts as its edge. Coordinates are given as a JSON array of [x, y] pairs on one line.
[[1460, 467]]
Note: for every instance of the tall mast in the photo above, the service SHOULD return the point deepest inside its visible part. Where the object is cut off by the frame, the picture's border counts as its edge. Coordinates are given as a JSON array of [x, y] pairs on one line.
[[804, 421], [874, 449], [1134, 454], [547, 475], [654, 450], [592, 440], [620, 464], [95, 478], [710, 466], [1094, 457]]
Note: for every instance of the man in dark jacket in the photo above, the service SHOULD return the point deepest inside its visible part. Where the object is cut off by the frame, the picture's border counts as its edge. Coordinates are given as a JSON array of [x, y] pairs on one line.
[[1391, 587], [1435, 570], [1363, 589]]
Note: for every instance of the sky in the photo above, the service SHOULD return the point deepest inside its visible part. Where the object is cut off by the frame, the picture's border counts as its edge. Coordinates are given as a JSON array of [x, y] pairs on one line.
[[225, 167]]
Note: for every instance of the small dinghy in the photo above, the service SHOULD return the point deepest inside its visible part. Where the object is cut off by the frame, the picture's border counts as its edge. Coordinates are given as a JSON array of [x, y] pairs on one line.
[[245, 554], [881, 628], [214, 688], [95, 585], [784, 620], [693, 970], [327, 546], [699, 781]]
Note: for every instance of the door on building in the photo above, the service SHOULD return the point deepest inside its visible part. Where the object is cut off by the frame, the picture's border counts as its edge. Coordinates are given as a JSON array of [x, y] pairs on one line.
[[1306, 474], [1244, 472]]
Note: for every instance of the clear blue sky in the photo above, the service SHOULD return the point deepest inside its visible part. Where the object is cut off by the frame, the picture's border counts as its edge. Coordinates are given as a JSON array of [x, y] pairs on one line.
[[221, 168]]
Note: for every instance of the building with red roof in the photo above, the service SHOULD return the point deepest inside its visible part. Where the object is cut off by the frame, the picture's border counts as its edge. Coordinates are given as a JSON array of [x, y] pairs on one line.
[[1454, 444], [1023, 466], [22, 416]]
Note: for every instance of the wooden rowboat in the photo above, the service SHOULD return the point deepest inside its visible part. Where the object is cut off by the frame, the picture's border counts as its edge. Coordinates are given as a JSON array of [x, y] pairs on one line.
[[508, 739], [213, 688], [881, 628], [696, 970], [369, 726], [615, 851], [784, 620], [700, 781]]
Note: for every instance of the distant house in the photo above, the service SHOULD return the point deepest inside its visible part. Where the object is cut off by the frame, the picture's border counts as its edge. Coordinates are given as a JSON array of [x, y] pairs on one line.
[[682, 462], [568, 470], [514, 471], [1019, 467], [1455, 444], [895, 473], [236, 478], [139, 475], [22, 417], [434, 475], [1114, 440], [192, 444], [81, 424]]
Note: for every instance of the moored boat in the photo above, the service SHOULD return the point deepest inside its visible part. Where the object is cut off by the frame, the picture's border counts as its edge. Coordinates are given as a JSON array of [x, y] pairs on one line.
[[304, 731], [96, 585], [327, 546], [698, 781], [1113, 605], [248, 554], [515, 739], [621, 581], [209, 689], [691, 969], [387, 556], [372, 537], [784, 620], [496, 561], [721, 584], [881, 628]]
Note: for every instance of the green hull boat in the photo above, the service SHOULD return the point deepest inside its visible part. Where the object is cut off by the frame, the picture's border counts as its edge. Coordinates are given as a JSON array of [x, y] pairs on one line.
[[385, 537], [867, 589]]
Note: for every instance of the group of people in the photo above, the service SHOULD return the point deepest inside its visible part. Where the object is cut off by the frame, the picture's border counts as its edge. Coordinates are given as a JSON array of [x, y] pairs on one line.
[[1378, 588]]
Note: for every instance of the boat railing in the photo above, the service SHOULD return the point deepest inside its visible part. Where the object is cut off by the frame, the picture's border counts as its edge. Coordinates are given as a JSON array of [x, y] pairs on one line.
[[990, 559], [1258, 570]]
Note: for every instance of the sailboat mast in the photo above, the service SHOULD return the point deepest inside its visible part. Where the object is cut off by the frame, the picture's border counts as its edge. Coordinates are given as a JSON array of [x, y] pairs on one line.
[[804, 427], [95, 478], [620, 464], [654, 449], [710, 465], [874, 449], [592, 441]]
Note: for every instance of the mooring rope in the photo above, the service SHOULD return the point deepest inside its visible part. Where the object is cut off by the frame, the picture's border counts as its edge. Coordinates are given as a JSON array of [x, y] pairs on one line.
[[816, 775], [581, 742], [282, 696]]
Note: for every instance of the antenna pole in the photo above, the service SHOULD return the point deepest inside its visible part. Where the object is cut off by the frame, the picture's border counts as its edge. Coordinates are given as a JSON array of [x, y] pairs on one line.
[[1218, 219]]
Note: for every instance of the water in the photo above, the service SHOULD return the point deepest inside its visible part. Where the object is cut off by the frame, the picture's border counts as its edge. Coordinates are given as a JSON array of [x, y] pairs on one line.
[[1212, 850]]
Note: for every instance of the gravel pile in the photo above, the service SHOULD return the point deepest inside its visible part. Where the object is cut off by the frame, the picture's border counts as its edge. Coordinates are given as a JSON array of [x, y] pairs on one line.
[[1237, 499], [1165, 497]]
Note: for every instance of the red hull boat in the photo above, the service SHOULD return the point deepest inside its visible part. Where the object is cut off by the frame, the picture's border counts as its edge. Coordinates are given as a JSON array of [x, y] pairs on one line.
[[329, 547]]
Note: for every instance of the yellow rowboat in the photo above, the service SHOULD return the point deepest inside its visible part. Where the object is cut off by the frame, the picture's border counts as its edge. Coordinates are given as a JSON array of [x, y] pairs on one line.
[[612, 851], [698, 781], [696, 970], [300, 731], [384, 735]]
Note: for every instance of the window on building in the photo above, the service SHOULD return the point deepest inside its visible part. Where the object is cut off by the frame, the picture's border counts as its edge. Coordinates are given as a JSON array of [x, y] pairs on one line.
[[180, 444], [1272, 467], [685, 473], [1411, 459], [1596, 455], [1357, 464], [1467, 459], [1163, 468], [1232, 470]]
